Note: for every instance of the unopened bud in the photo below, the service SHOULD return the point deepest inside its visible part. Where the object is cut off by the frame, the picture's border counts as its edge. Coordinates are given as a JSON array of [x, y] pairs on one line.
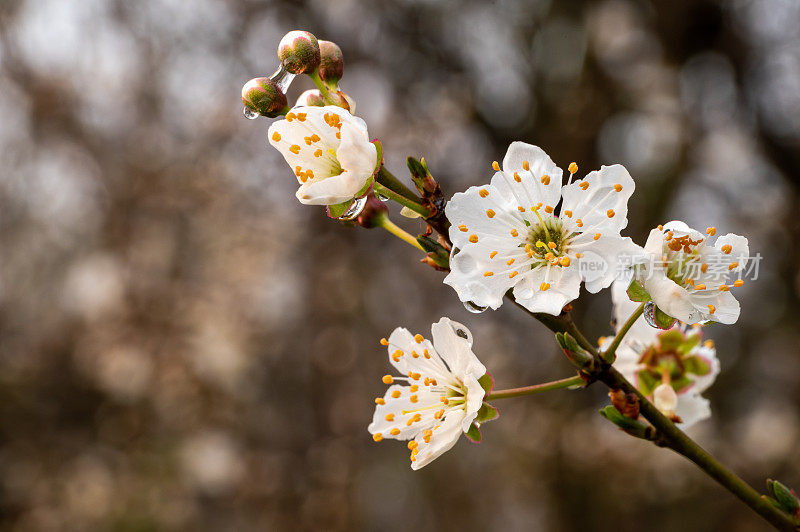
[[626, 403], [373, 213], [311, 97], [298, 52], [314, 98], [263, 96], [665, 399], [331, 66]]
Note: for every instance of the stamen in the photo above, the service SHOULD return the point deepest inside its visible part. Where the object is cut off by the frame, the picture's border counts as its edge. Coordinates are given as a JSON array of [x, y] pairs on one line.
[[733, 265], [517, 178], [509, 262], [377, 437], [379, 401], [610, 213], [276, 136], [565, 261], [414, 387], [384, 341], [726, 249], [294, 148], [597, 236], [389, 417], [492, 254], [495, 166], [413, 398], [568, 214], [548, 209], [419, 338], [700, 287], [514, 232], [618, 187], [724, 288], [544, 286], [463, 228], [738, 282], [545, 179], [488, 274], [526, 166], [387, 379], [513, 274], [396, 394], [395, 431], [711, 309], [490, 213], [584, 185], [473, 238], [572, 168], [711, 231]]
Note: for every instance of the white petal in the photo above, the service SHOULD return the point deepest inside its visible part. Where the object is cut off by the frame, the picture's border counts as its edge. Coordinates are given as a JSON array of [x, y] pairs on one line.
[[467, 269], [594, 204], [672, 299], [356, 154], [726, 308], [539, 164], [397, 406], [691, 409], [455, 349], [740, 250], [467, 212], [702, 382], [475, 395], [606, 259], [442, 440], [565, 286]]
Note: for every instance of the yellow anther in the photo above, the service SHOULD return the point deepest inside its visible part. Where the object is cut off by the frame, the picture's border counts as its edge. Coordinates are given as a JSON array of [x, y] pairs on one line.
[[384, 341], [551, 245], [618, 187], [726, 248], [294, 148], [419, 338], [700, 287], [426, 354], [377, 437], [704, 267], [597, 236], [544, 286], [584, 185], [709, 343], [318, 153], [495, 166], [488, 274], [724, 288], [462, 228], [572, 168], [738, 282], [387, 379], [549, 256], [492, 254], [438, 414], [548, 209], [733, 265], [301, 117], [276, 136], [398, 353], [526, 166], [514, 232], [414, 388], [711, 309], [414, 376], [509, 262], [711, 231], [412, 445], [565, 261], [513, 274], [660, 227], [379, 401], [490, 213], [395, 431], [414, 354], [579, 222], [521, 209], [545, 179], [290, 116], [610, 213], [413, 398], [396, 394], [568, 214], [579, 255], [483, 192], [473, 238], [517, 178], [389, 417]]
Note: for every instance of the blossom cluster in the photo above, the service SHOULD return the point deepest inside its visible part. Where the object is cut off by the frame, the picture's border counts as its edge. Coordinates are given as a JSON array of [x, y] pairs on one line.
[[532, 234]]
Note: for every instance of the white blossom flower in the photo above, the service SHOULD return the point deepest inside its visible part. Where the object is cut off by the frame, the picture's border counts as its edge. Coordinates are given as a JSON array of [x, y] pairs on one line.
[[512, 234], [688, 278], [672, 367], [441, 395], [329, 151]]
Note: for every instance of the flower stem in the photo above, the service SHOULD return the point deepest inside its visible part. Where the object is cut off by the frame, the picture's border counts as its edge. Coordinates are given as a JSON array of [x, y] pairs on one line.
[[402, 200], [388, 180], [610, 354], [323, 89], [536, 388], [397, 231]]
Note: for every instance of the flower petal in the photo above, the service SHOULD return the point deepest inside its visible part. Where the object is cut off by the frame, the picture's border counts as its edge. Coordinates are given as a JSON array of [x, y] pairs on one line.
[[565, 286], [602, 208], [442, 440], [691, 409], [606, 259], [540, 188], [453, 343]]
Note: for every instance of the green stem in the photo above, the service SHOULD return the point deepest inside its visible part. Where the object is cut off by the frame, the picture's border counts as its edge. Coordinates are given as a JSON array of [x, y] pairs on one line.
[[536, 388], [323, 89], [402, 200], [610, 354], [397, 231], [388, 180]]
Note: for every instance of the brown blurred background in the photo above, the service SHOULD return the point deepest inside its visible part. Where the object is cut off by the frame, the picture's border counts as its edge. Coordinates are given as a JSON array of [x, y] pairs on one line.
[[183, 346]]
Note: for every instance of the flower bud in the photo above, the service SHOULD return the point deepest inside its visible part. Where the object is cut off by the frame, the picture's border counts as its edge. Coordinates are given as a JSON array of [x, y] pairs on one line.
[[311, 97], [298, 52], [665, 399], [331, 66], [263, 96]]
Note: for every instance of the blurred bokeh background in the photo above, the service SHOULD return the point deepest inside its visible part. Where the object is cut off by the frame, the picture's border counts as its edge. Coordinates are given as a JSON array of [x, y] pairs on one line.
[[183, 346]]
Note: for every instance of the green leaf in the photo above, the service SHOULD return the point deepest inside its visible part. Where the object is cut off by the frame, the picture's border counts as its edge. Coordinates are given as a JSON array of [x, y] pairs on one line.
[[487, 383], [663, 320], [697, 365], [647, 382], [637, 292], [335, 211], [671, 339], [474, 433], [631, 426], [487, 413]]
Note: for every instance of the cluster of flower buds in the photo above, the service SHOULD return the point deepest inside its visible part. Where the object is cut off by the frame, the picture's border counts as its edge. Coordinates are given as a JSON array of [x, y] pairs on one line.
[[299, 52]]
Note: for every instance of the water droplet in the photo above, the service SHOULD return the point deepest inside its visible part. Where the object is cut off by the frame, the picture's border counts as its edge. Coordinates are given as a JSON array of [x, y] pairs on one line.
[[283, 78], [472, 307], [355, 209], [250, 114], [381, 197], [650, 314]]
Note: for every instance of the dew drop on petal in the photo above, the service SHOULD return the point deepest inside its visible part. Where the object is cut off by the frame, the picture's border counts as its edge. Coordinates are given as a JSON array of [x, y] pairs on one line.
[[355, 209], [250, 114], [283, 78], [472, 307], [650, 314]]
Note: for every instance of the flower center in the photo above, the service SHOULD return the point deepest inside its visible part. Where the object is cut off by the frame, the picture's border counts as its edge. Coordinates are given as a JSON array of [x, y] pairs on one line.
[[547, 241], [672, 360]]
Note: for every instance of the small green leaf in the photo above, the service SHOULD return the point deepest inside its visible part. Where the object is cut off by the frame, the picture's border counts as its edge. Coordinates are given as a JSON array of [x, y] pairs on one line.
[[335, 211], [487, 383], [631, 426], [787, 500], [663, 320], [671, 339], [487, 413], [637, 292], [474, 433], [697, 365]]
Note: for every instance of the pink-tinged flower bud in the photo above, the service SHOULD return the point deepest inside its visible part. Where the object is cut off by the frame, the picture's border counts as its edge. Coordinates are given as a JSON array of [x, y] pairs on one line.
[[311, 97], [299, 52], [331, 66], [263, 96]]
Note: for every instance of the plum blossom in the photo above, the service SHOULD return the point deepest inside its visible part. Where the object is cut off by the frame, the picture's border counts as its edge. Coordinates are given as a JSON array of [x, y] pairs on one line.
[[329, 151], [512, 234], [440, 397], [690, 279], [671, 367]]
